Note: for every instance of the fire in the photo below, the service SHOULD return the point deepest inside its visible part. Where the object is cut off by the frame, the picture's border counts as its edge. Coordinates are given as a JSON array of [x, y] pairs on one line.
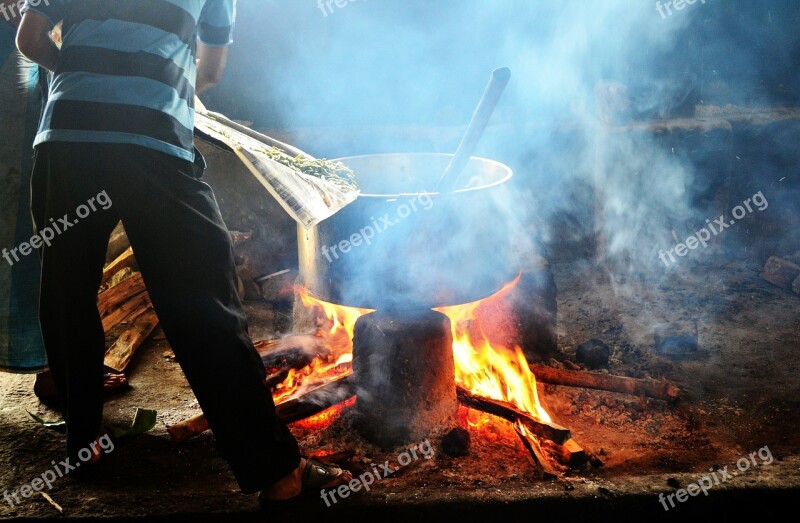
[[343, 319], [326, 417], [487, 369], [483, 368], [321, 370], [330, 365]]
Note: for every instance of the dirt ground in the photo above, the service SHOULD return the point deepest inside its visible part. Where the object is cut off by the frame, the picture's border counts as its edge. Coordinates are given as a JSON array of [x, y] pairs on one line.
[[740, 394]]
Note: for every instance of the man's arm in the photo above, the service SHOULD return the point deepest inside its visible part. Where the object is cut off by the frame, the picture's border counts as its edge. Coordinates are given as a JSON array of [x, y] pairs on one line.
[[33, 40], [211, 61]]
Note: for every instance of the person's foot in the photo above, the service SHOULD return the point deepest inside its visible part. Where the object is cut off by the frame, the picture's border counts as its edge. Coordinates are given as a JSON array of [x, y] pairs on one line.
[[113, 382], [310, 475], [45, 387], [93, 467]]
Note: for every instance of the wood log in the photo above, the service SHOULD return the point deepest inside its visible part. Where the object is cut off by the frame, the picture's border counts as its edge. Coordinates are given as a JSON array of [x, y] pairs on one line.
[[662, 390], [537, 456], [278, 286], [570, 453], [314, 402], [284, 351], [111, 299], [185, 430], [505, 410], [117, 243], [120, 353], [326, 456], [296, 409], [124, 260], [285, 368], [781, 272], [128, 311], [753, 115]]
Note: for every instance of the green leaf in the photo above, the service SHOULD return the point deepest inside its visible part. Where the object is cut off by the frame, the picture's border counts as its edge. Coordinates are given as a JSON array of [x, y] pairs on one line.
[[58, 426], [143, 421]]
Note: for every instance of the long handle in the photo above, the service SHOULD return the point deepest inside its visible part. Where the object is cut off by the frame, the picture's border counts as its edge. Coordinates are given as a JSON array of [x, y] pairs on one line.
[[449, 181]]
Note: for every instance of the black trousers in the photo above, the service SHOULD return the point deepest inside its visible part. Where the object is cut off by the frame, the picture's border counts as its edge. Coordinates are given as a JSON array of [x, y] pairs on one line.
[[185, 255]]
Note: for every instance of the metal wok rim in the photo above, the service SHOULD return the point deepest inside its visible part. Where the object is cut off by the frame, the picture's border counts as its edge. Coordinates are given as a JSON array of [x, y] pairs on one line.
[[501, 166]]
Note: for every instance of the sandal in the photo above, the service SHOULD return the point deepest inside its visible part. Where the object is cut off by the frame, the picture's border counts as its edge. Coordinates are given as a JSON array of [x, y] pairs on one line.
[[316, 475]]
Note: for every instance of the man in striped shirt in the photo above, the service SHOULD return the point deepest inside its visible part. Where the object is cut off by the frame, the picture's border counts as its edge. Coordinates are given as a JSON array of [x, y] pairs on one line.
[[118, 124]]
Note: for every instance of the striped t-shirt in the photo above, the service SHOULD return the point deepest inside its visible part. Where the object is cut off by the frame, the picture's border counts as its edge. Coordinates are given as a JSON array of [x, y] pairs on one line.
[[126, 72]]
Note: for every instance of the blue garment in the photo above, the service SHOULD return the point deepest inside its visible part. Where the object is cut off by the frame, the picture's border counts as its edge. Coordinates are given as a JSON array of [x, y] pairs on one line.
[[21, 344], [126, 72]]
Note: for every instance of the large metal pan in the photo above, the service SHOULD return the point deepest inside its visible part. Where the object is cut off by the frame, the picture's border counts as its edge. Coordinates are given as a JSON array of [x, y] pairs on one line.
[[398, 247]]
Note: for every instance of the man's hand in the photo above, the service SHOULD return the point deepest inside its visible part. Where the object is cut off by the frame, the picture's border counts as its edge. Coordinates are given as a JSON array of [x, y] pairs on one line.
[[33, 40], [210, 65]]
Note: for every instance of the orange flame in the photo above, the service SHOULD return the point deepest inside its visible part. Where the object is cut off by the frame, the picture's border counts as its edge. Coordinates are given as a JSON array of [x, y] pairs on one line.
[[487, 369], [342, 318], [326, 417], [335, 326], [321, 370], [483, 368]]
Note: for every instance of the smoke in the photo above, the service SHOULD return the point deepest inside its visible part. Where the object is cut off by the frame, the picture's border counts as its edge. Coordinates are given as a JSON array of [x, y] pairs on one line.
[[576, 66]]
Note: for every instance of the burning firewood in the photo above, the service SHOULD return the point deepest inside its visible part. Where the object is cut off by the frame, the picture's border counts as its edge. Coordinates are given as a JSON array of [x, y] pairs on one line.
[[662, 390], [507, 411], [570, 453], [119, 355], [291, 350], [317, 400], [281, 356], [537, 456], [295, 409]]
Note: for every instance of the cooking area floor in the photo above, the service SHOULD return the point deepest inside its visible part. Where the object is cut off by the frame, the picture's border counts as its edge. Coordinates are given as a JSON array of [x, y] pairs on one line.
[[739, 395]]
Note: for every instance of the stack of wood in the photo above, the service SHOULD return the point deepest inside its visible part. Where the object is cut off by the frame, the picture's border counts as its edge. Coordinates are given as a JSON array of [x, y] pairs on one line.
[[124, 303], [784, 272]]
